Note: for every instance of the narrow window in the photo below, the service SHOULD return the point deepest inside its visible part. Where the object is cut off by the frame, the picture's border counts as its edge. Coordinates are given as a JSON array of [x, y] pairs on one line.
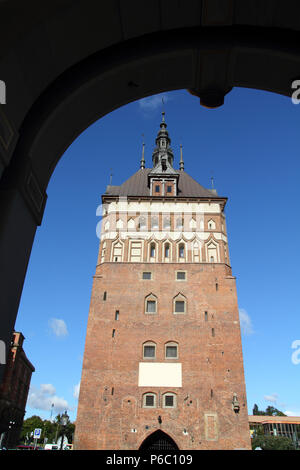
[[152, 250], [167, 250], [217, 286], [213, 332], [151, 306], [112, 390], [181, 250], [157, 188], [169, 189], [117, 315], [104, 296], [113, 333], [205, 316]]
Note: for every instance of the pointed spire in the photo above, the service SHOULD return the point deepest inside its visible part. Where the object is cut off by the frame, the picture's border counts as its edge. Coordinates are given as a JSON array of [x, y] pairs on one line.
[[181, 163], [142, 165]]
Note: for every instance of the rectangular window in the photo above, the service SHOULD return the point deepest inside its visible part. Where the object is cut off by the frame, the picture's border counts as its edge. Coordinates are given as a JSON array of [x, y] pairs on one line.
[[169, 189], [157, 188], [171, 352], [180, 276], [169, 400], [151, 306], [147, 275], [149, 400], [179, 306], [149, 351], [117, 315]]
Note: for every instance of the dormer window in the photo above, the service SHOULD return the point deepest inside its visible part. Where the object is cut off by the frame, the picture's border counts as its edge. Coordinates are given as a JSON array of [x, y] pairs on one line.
[[157, 188]]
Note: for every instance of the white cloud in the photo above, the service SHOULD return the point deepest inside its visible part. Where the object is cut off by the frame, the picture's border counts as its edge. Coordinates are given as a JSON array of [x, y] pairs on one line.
[[42, 399], [152, 103], [292, 413], [58, 327], [272, 398], [76, 390], [245, 322]]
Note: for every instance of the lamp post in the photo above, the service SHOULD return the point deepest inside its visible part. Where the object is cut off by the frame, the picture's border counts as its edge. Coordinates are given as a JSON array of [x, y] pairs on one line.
[[63, 421]]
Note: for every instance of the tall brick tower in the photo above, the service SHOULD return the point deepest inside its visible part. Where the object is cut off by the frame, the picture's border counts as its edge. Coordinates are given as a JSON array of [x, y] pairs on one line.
[[163, 366]]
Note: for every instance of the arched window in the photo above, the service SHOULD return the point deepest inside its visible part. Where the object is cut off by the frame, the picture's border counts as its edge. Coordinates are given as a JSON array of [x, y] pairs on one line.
[[149, 400], [211, 224], [149, 350], [151, 304], [171, 350], [103, 251], [196, 252], [117, 251], [153, 251], [212, 252], [169, 400], [181, 252], [179, 304]]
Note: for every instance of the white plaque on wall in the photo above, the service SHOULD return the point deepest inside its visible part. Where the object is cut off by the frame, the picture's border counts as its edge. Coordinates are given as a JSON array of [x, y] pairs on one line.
[[160, 374]]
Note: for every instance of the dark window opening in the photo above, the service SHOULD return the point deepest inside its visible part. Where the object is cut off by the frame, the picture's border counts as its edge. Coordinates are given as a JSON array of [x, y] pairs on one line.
[[146, 275], [149, 351], [179, 306]]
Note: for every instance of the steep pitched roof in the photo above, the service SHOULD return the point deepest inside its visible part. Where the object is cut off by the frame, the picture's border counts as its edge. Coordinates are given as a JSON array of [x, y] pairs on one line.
[[137, 185]]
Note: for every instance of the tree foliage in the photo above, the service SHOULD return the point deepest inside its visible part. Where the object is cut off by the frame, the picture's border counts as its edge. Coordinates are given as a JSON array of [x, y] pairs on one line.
[[270, 411], [51, 430], [266, 442]]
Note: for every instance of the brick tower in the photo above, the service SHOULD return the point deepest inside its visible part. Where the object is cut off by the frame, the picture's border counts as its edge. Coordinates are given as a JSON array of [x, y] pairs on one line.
[[163, 365]]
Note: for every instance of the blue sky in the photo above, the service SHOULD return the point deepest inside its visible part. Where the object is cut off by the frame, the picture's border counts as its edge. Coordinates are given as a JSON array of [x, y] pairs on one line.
[[251, 148]]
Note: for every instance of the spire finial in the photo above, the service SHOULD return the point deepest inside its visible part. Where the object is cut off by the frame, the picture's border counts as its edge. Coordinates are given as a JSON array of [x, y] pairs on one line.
[[181, 163], [142, 165]]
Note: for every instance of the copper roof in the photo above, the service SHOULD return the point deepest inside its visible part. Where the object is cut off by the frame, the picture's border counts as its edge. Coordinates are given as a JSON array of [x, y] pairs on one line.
[[137, 185]]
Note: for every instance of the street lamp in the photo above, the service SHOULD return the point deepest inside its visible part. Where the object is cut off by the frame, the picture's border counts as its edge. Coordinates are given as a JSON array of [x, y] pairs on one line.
[[63, 421]]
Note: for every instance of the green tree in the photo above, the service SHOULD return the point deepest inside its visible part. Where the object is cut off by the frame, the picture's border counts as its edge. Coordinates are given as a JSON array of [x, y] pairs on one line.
[[272, 443], [29, 425]]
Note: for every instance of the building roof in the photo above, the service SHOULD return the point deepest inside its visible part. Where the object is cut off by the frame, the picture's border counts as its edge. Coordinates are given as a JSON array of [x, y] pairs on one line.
[[137, 185], [263, 419]]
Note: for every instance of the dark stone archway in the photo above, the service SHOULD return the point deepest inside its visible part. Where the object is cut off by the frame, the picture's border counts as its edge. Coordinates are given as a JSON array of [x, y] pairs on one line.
[[158, 441], [66, 64]]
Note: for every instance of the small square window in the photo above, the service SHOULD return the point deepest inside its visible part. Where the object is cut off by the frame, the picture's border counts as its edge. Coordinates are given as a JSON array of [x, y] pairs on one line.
[[171, 352], [180, 276], [147, 275], [149, 351], [179, 306], [151, 306]]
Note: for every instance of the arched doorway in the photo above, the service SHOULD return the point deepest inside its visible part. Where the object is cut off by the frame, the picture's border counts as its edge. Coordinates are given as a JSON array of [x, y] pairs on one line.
[[158, 440]]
